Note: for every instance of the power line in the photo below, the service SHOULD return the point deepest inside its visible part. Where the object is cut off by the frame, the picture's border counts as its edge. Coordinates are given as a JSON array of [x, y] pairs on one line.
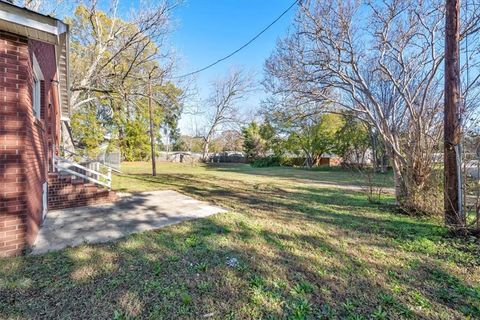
[[242, 47]]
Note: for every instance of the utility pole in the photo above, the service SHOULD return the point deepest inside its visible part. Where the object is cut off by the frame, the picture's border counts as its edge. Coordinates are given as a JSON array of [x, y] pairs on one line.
[[453, 205], [152, 134]]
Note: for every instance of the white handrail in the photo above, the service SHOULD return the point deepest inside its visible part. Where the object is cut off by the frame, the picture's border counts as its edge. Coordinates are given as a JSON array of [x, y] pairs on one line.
[[85, 158], [58, 162], [74, 164], [86, 177]]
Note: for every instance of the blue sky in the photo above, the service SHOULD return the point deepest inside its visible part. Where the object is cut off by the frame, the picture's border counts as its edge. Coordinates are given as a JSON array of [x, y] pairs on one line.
[[207, 30]]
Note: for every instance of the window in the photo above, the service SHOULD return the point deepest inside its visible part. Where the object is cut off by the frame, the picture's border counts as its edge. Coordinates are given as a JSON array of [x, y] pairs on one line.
[[36, 96], [36, 88]]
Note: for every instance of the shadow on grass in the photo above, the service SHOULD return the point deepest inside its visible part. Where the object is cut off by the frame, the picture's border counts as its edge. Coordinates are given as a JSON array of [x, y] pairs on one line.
[[324, 175], [344, 209], [310, 253], [184, 273]]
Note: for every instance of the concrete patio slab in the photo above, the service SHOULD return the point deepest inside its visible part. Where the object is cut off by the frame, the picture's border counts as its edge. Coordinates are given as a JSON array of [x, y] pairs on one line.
[[133, 213]]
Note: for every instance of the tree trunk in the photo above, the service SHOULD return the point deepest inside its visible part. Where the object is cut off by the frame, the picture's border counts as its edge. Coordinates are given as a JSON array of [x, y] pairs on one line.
[[308, 159], [205, 150], [152, 133], [383, 164], [374, 152], [399, 180]]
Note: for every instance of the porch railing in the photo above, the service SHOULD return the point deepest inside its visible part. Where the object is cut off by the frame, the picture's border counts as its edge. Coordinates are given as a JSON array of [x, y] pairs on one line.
[[95, 176], [72, 155]]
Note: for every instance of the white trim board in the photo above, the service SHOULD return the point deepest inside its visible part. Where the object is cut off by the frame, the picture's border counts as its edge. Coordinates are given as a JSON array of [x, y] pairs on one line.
[[37, 69], [21, 19]]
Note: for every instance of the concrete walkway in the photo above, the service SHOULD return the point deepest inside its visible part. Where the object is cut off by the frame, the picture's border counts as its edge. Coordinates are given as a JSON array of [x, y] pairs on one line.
[[134, 213]]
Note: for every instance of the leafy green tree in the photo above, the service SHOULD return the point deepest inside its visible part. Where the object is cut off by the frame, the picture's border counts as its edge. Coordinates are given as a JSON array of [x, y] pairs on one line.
[[136, 144], [313, 136], [274, 142], [175, 139], [88, 129], [260, 139], [254, 145], [353, 139], [113, 60], [112, 57], [169, 97]]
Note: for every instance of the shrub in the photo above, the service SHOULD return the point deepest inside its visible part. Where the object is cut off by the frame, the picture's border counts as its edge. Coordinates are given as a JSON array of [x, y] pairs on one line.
[[277, 161], [292, 161], [270, 161]]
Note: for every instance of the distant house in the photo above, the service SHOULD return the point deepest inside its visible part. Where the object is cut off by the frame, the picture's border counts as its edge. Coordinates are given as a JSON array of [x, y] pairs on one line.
[[34, 107], [328, 159]]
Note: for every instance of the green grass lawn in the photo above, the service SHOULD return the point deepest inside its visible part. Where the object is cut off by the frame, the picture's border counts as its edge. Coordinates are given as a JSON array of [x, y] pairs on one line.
[[140, 172], [291, 248]]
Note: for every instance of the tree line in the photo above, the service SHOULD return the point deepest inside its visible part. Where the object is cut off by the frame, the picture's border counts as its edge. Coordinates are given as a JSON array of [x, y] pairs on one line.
[[309, 139], [382, 63]]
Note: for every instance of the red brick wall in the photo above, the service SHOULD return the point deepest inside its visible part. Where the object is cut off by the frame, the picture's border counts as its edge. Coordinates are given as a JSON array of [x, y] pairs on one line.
[[45, 54], [23, 140], [65, 193]]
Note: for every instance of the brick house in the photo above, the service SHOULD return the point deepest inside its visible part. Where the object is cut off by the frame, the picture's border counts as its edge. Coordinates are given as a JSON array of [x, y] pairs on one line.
[[34, 107]]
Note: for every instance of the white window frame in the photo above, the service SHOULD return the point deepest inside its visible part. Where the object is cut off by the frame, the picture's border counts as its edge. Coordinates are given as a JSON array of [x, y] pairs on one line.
[[37, 88], [44, 200]]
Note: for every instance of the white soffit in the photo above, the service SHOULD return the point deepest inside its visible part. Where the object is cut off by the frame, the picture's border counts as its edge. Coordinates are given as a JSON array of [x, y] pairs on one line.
[[31, 20]]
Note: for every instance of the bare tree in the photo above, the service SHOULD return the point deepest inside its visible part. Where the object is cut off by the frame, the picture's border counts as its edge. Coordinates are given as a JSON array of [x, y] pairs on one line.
[[109, 55], [387, 71], [48, 7], [223, 104]]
